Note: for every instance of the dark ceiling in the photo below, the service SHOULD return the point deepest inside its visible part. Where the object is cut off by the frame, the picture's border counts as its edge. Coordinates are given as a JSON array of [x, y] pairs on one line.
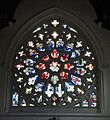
[[7, 10], [102, 8]]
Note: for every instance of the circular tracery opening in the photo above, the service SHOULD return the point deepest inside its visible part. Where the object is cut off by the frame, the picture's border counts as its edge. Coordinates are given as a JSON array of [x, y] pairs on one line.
[[54, 67]]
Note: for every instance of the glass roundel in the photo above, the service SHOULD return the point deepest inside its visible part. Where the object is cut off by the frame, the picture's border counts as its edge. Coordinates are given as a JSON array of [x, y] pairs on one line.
[[54, 67]]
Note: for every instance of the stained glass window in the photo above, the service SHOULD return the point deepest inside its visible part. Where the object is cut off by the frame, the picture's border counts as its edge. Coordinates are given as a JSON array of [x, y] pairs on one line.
[[55, 66]]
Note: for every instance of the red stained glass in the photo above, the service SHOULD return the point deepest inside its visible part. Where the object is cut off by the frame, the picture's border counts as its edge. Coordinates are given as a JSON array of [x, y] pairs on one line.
[[58, 64], [55, 54], [46, 58], [64, 75], [45, 75], [41, 66], [68, 66]]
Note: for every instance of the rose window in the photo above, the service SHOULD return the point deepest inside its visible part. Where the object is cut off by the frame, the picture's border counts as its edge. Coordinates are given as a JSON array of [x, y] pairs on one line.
[[55, 66]]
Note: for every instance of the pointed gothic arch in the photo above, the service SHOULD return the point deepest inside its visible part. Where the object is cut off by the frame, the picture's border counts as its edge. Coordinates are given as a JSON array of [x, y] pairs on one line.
[[61, 16]]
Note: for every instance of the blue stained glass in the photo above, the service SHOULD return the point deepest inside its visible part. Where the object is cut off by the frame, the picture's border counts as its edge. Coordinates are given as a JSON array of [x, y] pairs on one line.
[[80, 62], [54, 64], [59, 91], [40, 47], [76, 53], [69, 47], [15, 99], [80, 71], [50, 90], [29, 62], [32, 80], [93, 99], [29, 70], [69, 86], [50, 44], [59, 44], [33, 53], [39, 87], [76, 80]]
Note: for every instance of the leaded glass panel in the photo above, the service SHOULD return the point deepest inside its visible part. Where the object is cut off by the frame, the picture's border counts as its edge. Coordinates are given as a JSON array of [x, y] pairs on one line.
[[55, 66]]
